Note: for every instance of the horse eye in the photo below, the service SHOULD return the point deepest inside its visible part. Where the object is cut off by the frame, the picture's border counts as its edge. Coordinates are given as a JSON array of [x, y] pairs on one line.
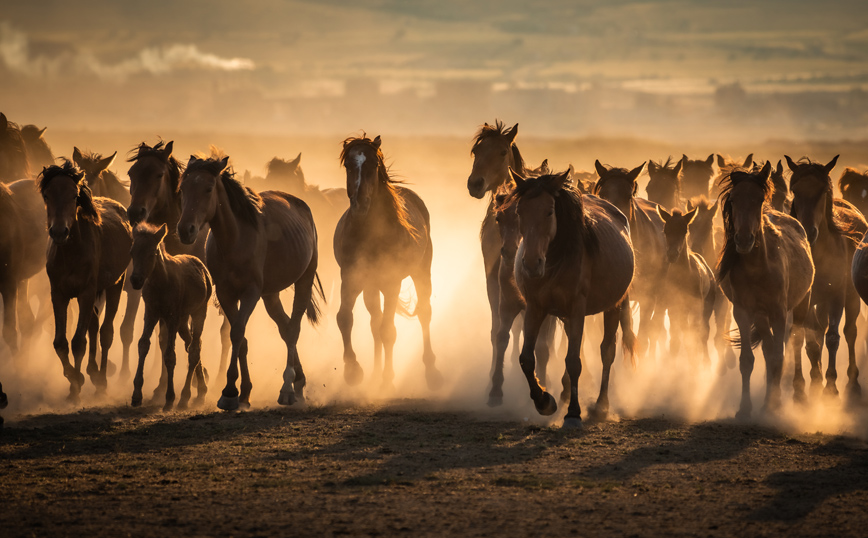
[[552, 212], [503, 152]]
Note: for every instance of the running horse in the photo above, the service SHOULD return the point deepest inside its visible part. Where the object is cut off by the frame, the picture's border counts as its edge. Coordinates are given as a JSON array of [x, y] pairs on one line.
[[575, 260], [88, 254], [854, 188], [835, 228], [664, 185], [384, 237], [696, 175], [494, 155], [765, 269], [259, 245]]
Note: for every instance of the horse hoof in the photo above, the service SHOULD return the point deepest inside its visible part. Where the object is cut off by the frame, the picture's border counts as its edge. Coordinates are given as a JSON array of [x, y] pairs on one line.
[[495, 400], [183, 404], [743, 414], [572, 423], [434, 378], [168, 407], [4, 401], [565, 396], [800, 398], [228, 403], [600, 412], [136, 402], [353, 373], [547, 404], [286, 398], [244, 405], [831, 391]]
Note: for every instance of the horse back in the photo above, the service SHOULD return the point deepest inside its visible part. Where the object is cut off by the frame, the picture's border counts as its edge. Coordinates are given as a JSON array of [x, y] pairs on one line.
[[292, 240], [116, 239], [612, 264]]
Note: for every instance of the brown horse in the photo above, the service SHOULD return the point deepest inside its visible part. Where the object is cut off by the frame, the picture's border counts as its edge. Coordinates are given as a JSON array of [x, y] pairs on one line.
[[690, 286], [859, 269], [696, 176], [765, 269], [259, 245], [854, 188], [664, 187], [384, 237], [618, 186], [176, 290], [494, 155], [39, 154], [575, 260], [88, 254], [780, 199], [13, 152], [834, 229]]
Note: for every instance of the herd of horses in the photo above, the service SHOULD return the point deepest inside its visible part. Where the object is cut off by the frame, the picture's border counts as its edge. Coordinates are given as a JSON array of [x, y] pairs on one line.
[[786, 260]]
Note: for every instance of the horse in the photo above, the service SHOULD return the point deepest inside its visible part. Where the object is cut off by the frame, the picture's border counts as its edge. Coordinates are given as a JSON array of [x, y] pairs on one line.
[[727, 164], [696, 176], [575, 260], [834, 229], [258, 245], [690, 286], [13, 152], [176, 290], [854, 188], [618, 186], [88, 254], [664, 187], [765, 269], [494, 154], [39, 154], [384, 237], [780, 199]]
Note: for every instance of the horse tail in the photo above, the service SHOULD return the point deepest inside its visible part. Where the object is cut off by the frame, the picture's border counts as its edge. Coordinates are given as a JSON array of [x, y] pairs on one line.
[[406, 308], [756, 337], [628, 337], [313, 310]]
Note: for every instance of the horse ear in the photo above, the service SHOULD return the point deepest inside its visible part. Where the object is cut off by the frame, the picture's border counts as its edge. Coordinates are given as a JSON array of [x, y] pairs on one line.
[[167, 151], [296, 161], [780, 168], [634, 173], [162, 231], [76, 156], [544, 167], [518, 178], [766, 171], [377, 142], [4, 123], [748, 161], [193, 159], [652, 167], [721, 162], [709, 161], [601, 170], [562, 180], [690, 215], [832, 164], [224, 162], [678, 167], [790, 163], [510, 136], [105, 163], [663, 214], [41, 132]]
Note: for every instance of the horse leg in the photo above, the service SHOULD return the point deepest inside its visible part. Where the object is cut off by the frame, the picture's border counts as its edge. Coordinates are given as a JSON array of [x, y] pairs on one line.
[[144, 346], [187, 338], [611, 319], [230, 398], [26, 319], [107, 330], [773, 352], [725, 355], [162, 342], [573, 360], [170, 360], [851, 314], [814, 328], [492, 289], [704, 329], [677, 322], [88, 322], [225, 342], [544, 347], [422, 282], [289, 330], [743, 320], [371, 297], [9, 291], [194, 359], [4, 401], [350, 290], [92, 368], [797, 340], [128, 326], [833, 341], [60, 305], [388, 333], [509, 310], [543, 401]]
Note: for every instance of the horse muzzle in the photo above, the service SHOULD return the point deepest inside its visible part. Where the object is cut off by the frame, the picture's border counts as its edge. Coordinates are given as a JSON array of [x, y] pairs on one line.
[[476, 187], [534, 270], [137, 281], [188, 233], [59, 234], [744, 244], [137, 214]]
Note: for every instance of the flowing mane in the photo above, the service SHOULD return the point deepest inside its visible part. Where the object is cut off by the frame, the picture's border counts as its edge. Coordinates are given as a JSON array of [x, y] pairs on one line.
[[390, 186], [13, 142], [836, 225], [106, 175], [499, 130], [728, 254], [244, 203], [176, 167], [87, 210]]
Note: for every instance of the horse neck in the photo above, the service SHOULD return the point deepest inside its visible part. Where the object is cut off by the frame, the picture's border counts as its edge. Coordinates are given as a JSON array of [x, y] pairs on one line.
[[224, 223], [159, 275]]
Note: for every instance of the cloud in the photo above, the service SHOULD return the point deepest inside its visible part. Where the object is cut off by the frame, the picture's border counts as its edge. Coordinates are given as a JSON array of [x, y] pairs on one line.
[[15, 54]]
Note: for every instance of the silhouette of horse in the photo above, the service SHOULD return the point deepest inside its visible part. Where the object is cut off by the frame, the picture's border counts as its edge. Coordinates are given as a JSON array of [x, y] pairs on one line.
[[854, 188], [727, 164], [834, 228], [259, 245], [765, 269], [176, 290], [780, 199], [384, 237], [13, 152], [575, 260], [39, 154], [618, 186], [664, 187], [88, 254], [696, 176]]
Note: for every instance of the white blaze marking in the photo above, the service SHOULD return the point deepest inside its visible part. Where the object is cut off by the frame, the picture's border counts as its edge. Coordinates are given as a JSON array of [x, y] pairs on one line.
[[360, 160]]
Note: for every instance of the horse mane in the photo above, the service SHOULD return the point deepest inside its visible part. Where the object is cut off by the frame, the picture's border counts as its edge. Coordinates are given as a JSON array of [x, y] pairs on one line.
[[499, 130], [6, 200], [728, 254], [106, 174], [13, 139], [176, 167], [84, 201], [244, 203], [391, 186], [835, 224], [669, 166], [573, 222]]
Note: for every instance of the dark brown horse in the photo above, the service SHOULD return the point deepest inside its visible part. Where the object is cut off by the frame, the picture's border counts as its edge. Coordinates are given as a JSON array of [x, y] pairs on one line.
[[575, 260], [696, 176], [765, 269], [618, 186], [859, 269], [494, 155], [834, 229], [780, 201], [384, 237], [259, 245], [176, 290], [88, 254], [39, 154], [690, 286], [854, 188], [13, 152], [664, 187]]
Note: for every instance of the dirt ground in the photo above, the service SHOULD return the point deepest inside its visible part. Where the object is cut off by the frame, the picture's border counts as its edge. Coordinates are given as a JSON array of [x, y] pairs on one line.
[[412, 467]]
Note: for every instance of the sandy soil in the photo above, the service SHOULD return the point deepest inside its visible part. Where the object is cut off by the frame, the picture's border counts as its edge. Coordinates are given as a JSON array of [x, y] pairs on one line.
[[416, 467]]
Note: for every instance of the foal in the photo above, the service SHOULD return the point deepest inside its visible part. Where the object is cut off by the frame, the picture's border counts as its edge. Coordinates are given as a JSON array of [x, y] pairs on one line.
[[176, 290]]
